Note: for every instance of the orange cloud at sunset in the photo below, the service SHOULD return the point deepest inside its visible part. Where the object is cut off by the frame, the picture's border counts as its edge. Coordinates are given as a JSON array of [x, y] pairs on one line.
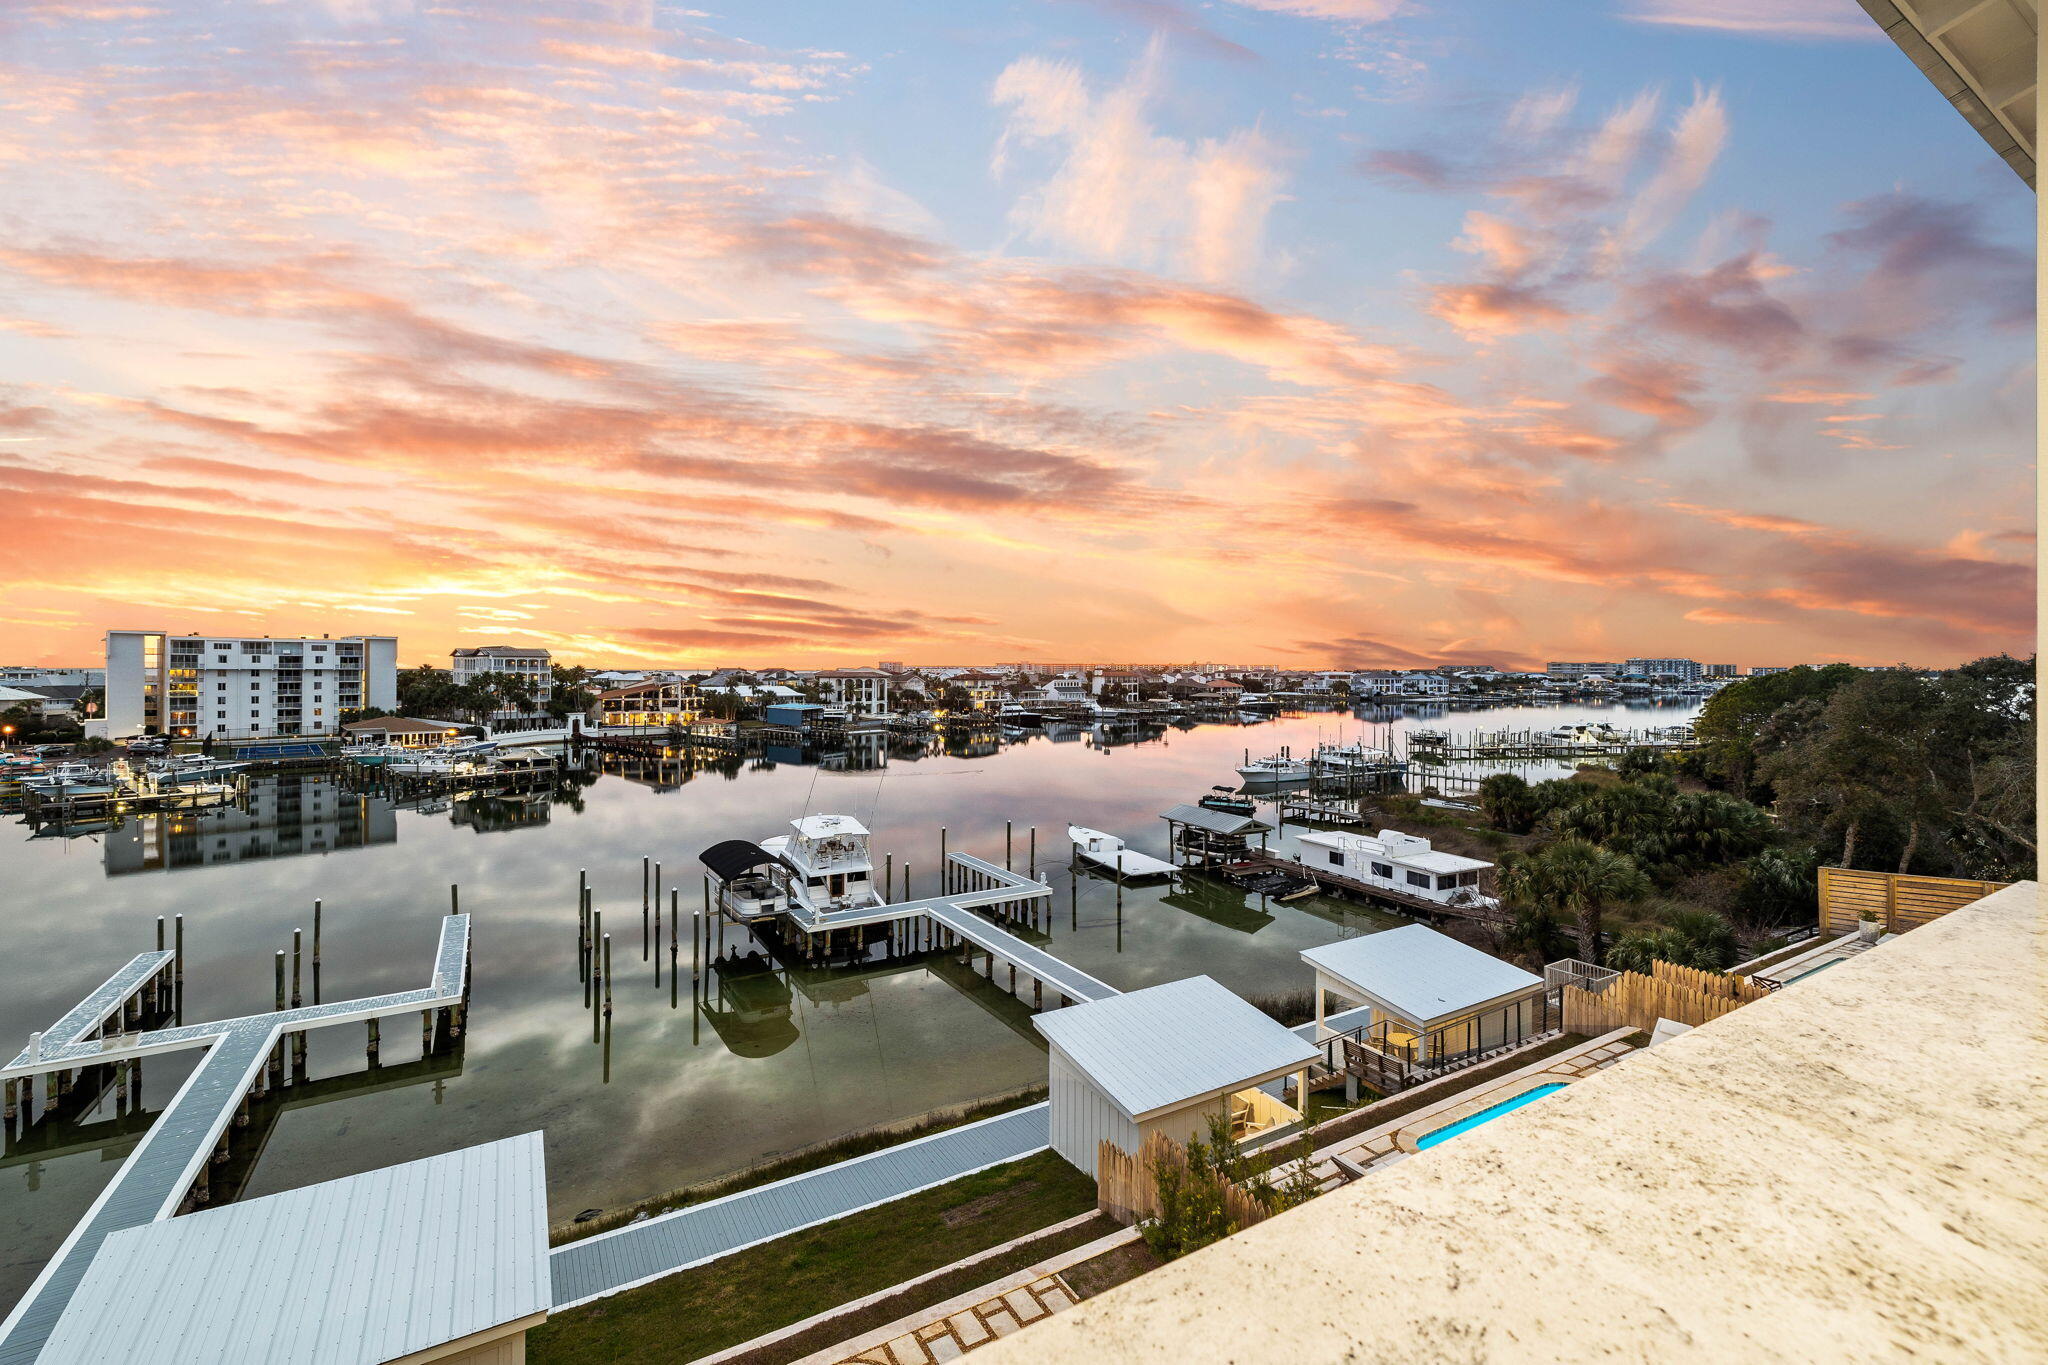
[[656, 337]]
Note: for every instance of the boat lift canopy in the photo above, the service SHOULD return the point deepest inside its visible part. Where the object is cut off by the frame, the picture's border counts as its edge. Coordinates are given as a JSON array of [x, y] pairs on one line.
[[737, 857]]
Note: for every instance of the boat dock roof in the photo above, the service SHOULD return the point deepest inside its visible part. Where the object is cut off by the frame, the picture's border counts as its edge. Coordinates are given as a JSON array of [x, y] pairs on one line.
[[1215, 821], [371, 1267]]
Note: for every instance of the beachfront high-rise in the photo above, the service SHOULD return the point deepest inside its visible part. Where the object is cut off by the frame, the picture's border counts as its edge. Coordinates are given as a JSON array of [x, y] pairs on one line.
[[243, 687]]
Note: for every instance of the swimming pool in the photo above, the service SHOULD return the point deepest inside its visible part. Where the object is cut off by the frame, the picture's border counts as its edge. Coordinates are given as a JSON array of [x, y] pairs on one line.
[[1471, 1121]]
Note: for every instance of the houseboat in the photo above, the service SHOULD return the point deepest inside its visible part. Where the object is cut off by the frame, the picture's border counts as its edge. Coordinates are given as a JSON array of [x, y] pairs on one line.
[[1403, 863]]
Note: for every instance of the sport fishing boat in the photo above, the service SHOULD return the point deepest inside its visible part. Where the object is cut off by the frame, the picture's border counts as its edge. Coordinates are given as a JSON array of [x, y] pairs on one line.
[[72, 779], [1280, 767]]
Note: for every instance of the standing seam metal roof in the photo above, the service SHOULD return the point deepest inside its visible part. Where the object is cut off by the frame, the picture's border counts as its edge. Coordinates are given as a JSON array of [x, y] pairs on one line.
[[1420, 974], [362, 1269], [1153, 1049]]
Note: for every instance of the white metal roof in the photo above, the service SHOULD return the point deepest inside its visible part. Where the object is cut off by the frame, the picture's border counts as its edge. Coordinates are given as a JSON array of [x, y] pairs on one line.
[[1419, 974], [1160, 1047], [1422, 858], [367, 1268], [1215, 821]]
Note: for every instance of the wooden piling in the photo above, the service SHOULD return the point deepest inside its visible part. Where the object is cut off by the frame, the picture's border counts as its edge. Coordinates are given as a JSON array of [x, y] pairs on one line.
[[1007, 842], [607, 977], [159, 933], [1034, 853], [298, 945], [454, 899]]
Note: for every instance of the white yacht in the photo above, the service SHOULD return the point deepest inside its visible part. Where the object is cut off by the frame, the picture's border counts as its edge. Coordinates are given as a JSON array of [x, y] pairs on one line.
[[821, 867], [1280, 767], [1352, 758]]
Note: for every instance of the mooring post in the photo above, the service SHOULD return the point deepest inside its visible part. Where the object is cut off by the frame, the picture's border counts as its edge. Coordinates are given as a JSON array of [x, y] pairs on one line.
[[298, 945], [1006, 845], [646, 874], [371, 1044], [454, 899], [888, 877], [159, 933], [675, 917], [178, 964], [945, 868], [1034, 853], [607, 978]]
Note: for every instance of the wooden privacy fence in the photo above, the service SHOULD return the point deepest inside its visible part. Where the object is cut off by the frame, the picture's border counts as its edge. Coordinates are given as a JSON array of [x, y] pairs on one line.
[[1897, 902], [1635, 1001], [1127, 1186], [1737, 988]]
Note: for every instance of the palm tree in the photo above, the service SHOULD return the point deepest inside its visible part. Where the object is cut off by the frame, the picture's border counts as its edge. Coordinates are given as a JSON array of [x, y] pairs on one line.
[[1577, 879]]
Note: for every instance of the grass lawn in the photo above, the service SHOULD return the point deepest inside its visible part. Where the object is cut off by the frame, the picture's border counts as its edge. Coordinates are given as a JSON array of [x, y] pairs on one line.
[[740, 1296]]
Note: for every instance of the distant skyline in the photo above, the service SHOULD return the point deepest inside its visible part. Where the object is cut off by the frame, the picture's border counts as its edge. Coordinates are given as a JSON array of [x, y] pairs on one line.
[[1332, 332]]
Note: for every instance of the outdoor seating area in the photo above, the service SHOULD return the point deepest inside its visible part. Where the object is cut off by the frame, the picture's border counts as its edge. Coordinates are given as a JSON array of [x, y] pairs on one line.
[[1433, 1004]]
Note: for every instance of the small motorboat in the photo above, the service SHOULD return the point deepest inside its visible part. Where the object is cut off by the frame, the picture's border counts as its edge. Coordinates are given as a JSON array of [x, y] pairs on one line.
[[1108, 851]]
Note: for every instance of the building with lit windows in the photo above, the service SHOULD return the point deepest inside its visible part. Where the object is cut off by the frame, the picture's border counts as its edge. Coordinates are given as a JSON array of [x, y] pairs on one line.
[[527, 662], [243, 687]]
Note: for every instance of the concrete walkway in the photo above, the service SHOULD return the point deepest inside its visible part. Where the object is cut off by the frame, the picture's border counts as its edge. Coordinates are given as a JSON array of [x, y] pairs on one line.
[[648, 1250]]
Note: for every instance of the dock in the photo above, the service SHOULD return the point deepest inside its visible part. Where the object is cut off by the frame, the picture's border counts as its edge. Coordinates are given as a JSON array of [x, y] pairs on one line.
[[648, 1250], [1328, 881], [949, 920], [171, 1158]]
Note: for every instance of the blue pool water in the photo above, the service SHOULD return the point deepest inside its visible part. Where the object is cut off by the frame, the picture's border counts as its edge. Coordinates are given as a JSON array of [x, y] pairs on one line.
[[1471, 1121], [1812, 970]]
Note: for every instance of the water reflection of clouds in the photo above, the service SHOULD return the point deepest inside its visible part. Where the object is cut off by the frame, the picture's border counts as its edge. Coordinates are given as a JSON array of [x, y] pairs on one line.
[[679, 1107]]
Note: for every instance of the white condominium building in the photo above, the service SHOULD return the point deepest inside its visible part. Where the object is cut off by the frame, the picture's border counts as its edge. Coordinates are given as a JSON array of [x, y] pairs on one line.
[[525, 661], [241, 687], [1686, 670]]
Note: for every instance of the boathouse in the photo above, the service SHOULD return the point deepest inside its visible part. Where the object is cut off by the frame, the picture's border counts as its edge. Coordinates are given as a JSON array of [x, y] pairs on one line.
[[1208, 836], [1163, 1060], [444, 1259], [400, 730], [1431, 997]]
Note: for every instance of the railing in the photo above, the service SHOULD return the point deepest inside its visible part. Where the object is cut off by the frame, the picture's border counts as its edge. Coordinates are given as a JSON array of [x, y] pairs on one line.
[[1572, 971], [1388, 1056]]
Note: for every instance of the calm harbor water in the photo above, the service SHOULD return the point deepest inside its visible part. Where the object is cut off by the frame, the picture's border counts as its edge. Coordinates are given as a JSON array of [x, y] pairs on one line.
[[681, 1094]]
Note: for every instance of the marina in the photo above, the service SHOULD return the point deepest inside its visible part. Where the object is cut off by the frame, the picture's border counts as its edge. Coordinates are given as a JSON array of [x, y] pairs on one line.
[[762, 1049]]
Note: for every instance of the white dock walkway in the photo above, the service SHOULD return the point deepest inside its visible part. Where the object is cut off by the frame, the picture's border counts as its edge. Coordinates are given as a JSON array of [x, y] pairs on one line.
[[640, 1252], [163, 1165]]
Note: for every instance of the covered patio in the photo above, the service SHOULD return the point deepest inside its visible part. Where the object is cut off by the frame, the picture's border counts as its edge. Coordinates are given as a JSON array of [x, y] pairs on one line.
[[1434, 1004]]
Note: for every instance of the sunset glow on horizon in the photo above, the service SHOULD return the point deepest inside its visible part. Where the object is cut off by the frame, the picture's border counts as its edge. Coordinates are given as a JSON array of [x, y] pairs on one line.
[[1310, 332]]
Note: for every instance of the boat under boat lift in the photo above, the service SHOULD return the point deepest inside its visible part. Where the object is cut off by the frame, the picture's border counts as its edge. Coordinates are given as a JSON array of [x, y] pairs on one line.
[[1108, 851]]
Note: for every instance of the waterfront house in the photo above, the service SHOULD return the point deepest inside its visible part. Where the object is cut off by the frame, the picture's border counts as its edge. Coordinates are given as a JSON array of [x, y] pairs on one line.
[[1398, 862], [658, 704], [858, 691], [529, 663], [1164, 1060], [984, 690]]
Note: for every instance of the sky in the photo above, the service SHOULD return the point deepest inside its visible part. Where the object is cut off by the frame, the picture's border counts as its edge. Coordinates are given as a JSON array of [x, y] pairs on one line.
[[1320, 333]]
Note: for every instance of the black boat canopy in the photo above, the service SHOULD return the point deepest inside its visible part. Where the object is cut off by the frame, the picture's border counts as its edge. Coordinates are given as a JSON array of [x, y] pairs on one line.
[[736, 857]]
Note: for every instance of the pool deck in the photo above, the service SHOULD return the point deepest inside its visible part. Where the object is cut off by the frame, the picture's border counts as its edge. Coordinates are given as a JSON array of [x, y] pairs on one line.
[[1394, 1141], [645, 1251]]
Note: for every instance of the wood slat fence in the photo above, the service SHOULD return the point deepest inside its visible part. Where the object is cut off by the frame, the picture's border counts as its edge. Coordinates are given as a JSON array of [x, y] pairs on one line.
[[1897, 902], [1127, 1186], [1635, 1001], [1737, 988]]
